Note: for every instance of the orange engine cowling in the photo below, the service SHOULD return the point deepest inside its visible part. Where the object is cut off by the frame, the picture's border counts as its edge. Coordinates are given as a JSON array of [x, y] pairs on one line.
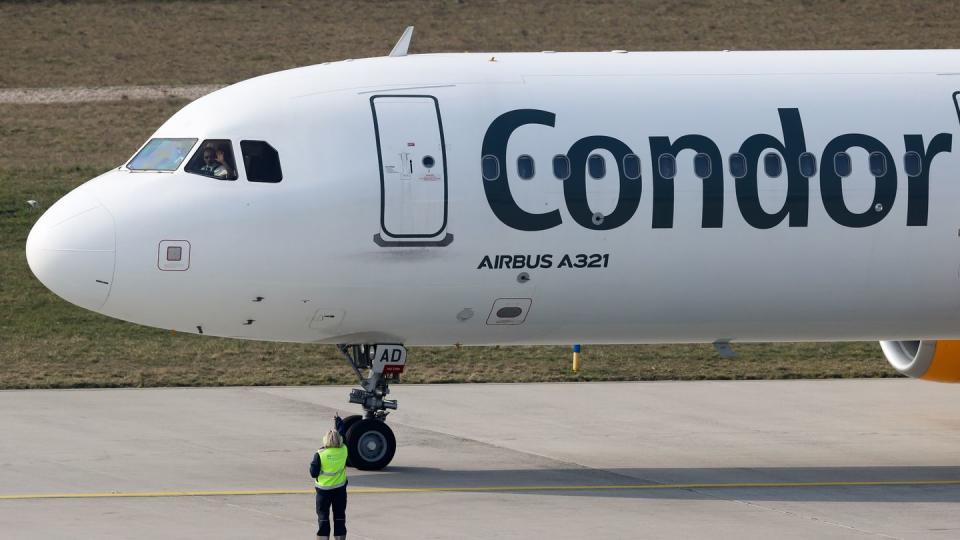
[[930, 360]]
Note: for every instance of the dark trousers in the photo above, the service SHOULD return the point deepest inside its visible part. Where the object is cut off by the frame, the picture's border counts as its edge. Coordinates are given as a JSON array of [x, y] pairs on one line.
[[338, 499]]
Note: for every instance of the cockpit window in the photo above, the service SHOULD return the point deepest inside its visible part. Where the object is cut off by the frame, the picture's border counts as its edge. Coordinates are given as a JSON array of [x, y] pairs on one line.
[[214, 158], [262, 162], [161, 155]]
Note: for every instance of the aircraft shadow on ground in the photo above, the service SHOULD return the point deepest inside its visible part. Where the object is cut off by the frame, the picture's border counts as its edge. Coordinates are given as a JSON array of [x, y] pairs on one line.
[[704, 479]]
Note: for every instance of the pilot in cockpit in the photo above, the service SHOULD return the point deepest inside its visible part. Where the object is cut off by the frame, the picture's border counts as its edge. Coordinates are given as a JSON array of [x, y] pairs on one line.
[[215, 163]]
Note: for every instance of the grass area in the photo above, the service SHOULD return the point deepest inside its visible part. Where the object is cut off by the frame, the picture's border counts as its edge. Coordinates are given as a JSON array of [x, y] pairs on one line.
[[115, 43], [49, 149], [107, 354], [48, 343]]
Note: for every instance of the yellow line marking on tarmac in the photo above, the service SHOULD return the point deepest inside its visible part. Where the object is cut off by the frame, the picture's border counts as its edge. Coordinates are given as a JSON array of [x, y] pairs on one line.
[[481, 489]]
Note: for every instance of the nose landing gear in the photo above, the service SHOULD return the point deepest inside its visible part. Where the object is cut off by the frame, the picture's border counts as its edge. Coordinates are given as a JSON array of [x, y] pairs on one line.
[[371, 444]]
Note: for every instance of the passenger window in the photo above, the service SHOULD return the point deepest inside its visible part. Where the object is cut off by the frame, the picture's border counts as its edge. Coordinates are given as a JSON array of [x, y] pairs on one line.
[[842, 164], [631, 166], [912, 163], [214, 158], [772, 165], [667, 165], [808, 165], [597, 166], [701, 165], [161, 155], [878, 164], [261, 162], [490, 167], [525, 167], [738, 165], [561, 167]]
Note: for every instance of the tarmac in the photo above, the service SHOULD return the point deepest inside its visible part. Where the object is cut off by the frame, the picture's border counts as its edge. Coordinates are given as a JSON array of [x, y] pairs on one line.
[[87, 94], [718, 459]]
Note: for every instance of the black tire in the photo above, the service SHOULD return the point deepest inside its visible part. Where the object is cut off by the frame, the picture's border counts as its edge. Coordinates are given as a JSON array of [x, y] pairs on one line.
[[371, 444], [348, 423]]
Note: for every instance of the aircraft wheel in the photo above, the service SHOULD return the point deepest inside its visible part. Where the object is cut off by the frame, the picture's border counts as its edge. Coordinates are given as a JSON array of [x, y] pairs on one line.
[[370, 444], [348, 423]]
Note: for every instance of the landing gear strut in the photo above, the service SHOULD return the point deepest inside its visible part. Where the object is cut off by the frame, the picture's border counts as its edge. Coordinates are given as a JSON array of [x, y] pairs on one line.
[[370, 442]]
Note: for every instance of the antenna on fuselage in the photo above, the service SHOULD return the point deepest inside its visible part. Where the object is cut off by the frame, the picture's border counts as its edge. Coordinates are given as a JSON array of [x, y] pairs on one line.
[[400, 49]]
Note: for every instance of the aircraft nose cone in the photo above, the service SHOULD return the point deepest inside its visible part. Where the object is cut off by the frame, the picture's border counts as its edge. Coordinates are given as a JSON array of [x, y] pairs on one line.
[[72, 249]]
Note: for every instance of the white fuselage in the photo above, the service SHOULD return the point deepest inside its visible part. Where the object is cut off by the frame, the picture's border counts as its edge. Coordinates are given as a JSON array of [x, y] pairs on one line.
[[362, 242]]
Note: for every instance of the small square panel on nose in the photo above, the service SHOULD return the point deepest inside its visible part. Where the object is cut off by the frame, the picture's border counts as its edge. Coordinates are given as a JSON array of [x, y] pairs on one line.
[[173, 255]]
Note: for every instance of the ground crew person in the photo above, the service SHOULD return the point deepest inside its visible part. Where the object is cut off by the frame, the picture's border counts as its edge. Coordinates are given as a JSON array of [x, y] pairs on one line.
[[329, 472]]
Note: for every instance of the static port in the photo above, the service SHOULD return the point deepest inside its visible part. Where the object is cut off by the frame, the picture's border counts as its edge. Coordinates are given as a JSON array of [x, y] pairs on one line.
[[509, 312]]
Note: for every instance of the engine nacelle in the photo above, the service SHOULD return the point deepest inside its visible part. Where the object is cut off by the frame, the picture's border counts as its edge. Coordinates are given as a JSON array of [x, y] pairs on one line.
[[930, 360]]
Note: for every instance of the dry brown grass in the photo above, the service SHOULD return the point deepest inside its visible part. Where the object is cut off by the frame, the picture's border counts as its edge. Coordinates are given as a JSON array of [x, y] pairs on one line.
[[113, 43], [45, 342], [45, 150], [99, 135], [122, 356]]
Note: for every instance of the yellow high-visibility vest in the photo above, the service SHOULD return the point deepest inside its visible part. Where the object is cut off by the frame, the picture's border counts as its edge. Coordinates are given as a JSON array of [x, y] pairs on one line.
[[333, 467]]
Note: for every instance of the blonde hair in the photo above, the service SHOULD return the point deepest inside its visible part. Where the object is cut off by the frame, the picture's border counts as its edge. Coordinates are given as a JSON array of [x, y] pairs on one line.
[[332, 439]]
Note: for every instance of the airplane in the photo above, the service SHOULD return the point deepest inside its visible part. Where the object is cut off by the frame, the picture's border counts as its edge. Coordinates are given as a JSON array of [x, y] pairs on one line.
[[537, 198]]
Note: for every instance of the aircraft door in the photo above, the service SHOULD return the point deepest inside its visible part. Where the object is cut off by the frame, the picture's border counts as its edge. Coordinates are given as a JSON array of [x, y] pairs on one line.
[[956, 103], [413, 171]]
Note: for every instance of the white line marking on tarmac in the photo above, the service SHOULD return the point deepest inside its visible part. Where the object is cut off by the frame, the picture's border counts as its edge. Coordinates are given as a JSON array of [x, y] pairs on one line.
[[810, 518]]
